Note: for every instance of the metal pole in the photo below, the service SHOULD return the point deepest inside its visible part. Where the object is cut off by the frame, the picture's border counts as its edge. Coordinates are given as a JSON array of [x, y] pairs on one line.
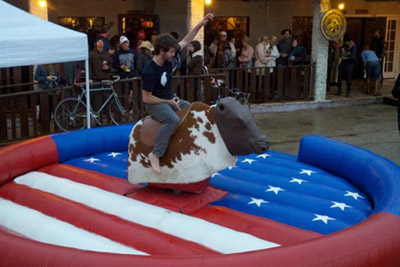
[[87, 93]]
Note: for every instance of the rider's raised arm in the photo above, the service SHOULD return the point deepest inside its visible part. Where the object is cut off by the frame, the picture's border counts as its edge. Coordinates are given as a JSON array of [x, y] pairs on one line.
[[190, 36]]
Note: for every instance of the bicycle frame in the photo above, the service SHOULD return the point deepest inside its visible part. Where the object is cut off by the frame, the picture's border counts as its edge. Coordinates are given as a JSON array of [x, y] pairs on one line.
[[102, 89]]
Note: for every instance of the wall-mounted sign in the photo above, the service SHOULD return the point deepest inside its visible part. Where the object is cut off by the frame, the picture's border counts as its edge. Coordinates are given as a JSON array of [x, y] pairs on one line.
[[333, 24]]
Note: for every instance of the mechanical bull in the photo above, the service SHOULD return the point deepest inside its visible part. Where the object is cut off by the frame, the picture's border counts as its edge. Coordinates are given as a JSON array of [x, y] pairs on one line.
[[208, 140]]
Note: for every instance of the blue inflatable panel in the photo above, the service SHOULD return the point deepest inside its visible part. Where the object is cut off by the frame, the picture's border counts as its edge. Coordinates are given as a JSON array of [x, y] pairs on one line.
[[280, 188], [89, 142], [111, 163], [371, 173]]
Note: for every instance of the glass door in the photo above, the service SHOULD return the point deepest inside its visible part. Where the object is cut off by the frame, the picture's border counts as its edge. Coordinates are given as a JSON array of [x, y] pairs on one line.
[[391, 61]]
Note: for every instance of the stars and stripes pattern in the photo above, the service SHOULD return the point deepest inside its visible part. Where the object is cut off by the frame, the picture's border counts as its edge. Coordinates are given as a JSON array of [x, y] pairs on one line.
[[277, 186], [274, 186]]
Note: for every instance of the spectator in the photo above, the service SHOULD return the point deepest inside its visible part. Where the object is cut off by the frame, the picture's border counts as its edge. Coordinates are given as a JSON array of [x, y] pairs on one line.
[[261, 54], [141, 36], [146, 53], [246, 55], [48, 77], [100, 63], [396, 94], [298, 54], [223, 36], [125, 61], [227, 60], [105, 33], [284, 47], [334, 61], [372, 68], [348, 53], [212, 49], [378, 46], [272, 52], [195, 62], [153, 38], [176, 60]]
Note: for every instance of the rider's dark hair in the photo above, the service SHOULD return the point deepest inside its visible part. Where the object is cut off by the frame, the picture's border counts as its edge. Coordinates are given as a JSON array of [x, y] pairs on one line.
[[164, 42]]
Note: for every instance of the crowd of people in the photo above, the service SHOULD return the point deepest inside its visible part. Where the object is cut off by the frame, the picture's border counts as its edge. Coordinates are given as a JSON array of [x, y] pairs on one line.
[[127, 58], [342, 58]]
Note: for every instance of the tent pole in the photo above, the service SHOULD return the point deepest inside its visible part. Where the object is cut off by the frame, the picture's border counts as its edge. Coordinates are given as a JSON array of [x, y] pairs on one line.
[[87, 93]]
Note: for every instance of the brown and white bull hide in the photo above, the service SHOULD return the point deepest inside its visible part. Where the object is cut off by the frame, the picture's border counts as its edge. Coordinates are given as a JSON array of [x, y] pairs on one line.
[[196, 151]]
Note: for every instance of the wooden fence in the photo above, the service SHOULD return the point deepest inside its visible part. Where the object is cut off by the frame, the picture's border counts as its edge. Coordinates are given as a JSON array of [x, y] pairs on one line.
[[26, 113], [272, 84]]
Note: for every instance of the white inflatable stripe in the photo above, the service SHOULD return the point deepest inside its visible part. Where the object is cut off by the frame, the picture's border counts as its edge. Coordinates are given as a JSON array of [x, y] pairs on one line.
[[40, 227], [213, 236]]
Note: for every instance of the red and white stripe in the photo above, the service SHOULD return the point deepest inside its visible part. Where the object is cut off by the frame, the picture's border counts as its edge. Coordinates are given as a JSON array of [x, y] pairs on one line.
[[74, 212]]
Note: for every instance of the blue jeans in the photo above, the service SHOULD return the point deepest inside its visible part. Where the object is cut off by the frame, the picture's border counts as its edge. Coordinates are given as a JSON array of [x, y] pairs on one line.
[[165, 114], [373, 70]]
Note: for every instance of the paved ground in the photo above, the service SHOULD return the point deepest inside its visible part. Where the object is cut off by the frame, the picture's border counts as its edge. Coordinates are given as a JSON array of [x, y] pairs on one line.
[[370, 126]]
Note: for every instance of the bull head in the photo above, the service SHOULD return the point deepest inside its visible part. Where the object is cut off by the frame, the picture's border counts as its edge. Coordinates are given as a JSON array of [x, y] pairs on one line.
[[238, 129]]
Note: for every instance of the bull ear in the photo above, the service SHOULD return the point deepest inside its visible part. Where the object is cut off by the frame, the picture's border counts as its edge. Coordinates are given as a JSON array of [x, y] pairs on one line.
[[239, 123]]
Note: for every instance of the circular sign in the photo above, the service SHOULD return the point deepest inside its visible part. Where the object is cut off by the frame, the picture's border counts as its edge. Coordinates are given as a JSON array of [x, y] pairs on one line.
[[333, 24]]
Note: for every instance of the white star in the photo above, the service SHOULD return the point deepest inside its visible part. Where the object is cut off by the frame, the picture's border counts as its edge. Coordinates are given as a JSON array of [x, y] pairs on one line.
[[297, 180], [249, 161], [215, 174], [113, 154], [323, 218], [91, 160], [308, 172], [231, 167], [264, 156], [274, 189], [355, 195], [341, 206], [258, 202]]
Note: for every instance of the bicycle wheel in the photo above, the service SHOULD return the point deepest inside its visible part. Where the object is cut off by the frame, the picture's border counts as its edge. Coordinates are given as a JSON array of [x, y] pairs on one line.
[[70, 114], [244, 102], [123, 110]]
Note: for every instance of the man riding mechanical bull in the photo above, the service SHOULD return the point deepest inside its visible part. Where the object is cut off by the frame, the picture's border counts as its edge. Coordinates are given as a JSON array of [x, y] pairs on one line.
[[165, 146]]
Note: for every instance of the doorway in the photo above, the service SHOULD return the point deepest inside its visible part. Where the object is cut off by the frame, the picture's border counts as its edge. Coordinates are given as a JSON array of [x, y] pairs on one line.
[[361, 31]]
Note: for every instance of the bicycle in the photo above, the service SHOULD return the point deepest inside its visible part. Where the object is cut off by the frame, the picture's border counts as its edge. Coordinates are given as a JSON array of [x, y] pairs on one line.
[[70, 113], [241, 97]]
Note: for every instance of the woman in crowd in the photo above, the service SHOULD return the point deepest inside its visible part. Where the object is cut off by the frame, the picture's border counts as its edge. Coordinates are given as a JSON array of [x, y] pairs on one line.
[[227, 61], [246, 55], [272, 52], [261, 53], [298, 54], [146, 53], [195, 63]]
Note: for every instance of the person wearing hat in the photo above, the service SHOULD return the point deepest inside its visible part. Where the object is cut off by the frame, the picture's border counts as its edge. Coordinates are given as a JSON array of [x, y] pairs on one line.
[[146, 53], [158, 98], [223, 36], [125, 62]]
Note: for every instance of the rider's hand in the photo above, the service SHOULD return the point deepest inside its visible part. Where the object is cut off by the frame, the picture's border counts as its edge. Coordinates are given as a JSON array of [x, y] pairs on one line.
[[207, 18], [174, 103], [123, 66]]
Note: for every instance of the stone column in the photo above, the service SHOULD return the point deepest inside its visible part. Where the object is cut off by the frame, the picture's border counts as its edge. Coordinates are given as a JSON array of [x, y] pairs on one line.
[[36, 9], [194, 15], [320, 51]]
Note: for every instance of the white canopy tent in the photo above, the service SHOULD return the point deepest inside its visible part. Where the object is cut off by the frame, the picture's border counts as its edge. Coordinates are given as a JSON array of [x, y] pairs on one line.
[[29, 40]]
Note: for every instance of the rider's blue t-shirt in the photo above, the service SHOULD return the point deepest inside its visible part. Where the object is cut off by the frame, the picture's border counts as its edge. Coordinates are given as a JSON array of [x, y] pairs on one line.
[[157, 80]]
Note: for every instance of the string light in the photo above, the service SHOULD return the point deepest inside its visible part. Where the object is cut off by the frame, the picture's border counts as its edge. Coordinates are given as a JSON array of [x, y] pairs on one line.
[[341, 6], [208, 2]]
